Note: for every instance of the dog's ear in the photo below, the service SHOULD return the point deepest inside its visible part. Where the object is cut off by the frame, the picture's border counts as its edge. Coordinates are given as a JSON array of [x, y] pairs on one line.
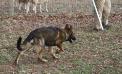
[[68, 27]]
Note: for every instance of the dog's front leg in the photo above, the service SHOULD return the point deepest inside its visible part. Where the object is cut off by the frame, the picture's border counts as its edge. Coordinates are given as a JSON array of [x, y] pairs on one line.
[[60, 48], [52, 53]]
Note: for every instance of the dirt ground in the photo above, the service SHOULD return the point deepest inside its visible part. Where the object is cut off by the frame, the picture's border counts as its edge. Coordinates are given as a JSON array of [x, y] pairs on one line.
[[93, 52]]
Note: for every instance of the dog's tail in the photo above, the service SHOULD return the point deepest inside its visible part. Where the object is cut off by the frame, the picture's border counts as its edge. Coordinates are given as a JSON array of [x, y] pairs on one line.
[[19, 44]]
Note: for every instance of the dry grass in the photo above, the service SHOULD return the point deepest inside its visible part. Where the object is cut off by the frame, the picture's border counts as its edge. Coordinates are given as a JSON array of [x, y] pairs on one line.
[[93, 53]]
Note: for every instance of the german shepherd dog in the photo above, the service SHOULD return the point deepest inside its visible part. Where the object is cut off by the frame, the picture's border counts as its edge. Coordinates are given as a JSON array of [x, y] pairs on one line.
[[45, 36]]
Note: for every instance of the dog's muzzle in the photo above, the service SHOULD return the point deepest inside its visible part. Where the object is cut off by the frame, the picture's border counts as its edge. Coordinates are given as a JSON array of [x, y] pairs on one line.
[[71, 39]]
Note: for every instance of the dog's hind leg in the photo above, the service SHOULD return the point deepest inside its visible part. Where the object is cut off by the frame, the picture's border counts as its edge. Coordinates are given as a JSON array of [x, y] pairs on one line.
[[20, 6], [18, 56], [46, 7], [40, 47], [26, 47], [40, 8], [34, 8]]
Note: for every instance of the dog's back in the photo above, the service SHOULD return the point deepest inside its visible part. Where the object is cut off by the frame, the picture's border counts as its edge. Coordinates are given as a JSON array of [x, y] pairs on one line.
[[49, 35]]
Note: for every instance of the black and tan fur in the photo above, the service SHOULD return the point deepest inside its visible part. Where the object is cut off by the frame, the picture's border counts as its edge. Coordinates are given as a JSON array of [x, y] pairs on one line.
[[45, 36]]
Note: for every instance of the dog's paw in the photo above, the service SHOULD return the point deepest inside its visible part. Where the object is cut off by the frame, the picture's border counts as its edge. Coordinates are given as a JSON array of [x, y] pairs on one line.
[[59, 51]]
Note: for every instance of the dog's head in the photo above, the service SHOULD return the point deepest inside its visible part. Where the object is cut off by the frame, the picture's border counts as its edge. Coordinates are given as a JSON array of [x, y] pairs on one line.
[[70, 35]]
